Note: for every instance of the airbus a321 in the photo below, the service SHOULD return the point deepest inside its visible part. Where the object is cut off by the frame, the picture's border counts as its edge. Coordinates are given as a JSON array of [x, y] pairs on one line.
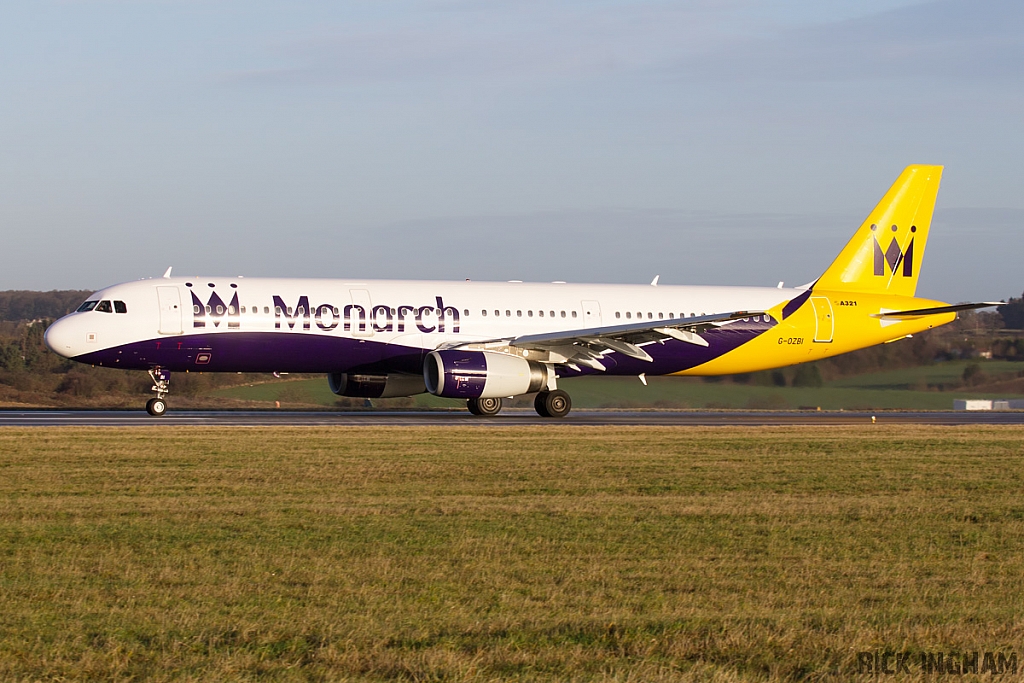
[[486, 341]]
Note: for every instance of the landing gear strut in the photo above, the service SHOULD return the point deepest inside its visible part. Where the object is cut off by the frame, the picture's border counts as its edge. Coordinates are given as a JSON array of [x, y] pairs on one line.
[[484, 406], [552, 403], [161, 385]]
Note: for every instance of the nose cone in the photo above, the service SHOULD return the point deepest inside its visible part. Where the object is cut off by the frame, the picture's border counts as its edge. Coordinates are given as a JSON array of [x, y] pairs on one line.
[[59, 337]]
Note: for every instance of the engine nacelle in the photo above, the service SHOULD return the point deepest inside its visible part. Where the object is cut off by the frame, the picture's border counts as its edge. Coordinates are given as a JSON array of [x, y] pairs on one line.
[[453, 373], [375, 386]]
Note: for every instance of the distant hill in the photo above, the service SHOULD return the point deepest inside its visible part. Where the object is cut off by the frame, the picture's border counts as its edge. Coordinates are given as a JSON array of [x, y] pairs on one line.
[[16, 305]]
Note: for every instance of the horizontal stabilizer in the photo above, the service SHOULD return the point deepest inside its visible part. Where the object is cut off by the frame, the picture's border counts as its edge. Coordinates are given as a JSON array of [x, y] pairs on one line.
[[935, 310]]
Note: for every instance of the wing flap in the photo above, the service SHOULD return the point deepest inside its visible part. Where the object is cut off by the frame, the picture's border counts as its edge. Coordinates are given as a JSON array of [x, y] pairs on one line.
[[638, 332], [587, 346]]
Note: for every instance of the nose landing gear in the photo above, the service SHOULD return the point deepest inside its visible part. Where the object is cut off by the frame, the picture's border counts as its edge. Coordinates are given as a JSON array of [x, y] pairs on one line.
[[161, 385]]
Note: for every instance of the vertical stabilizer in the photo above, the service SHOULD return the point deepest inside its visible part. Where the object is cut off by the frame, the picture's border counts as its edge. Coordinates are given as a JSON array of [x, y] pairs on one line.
[[885, 254]]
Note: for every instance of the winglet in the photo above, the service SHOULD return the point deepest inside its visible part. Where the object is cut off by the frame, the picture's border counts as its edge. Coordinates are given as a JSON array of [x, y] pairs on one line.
[[654, 282], [167, 273]]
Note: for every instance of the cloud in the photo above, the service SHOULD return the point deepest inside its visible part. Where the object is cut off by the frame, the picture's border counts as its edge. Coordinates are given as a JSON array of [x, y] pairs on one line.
[[945, 39], [504, 40]]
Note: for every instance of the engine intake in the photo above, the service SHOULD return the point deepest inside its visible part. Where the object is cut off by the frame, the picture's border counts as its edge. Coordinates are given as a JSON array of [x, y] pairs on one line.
[[390, 385], [453, 373]]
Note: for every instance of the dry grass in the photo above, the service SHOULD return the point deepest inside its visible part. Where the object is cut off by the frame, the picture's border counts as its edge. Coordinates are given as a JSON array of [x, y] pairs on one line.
[[555, 553]]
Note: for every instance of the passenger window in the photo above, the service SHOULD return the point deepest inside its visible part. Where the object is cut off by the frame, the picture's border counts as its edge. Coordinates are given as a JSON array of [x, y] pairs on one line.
[[242, 310], [574, 314], [277, 310], [661, 316], [629, 315], [289, 310], [529, 314], [87, 306], [617, 314], [195, 310], [540, 313], [508, 313], [650, 315], [105, 307], [484, 312], [119, 307], [465, 313], [266, 309], [231, 310], [519, 314], [563, 314], [552, 313]]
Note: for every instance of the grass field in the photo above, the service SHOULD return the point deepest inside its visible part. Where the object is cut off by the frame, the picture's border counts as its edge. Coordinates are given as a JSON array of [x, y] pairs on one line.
[[481, 554], [908, 389]]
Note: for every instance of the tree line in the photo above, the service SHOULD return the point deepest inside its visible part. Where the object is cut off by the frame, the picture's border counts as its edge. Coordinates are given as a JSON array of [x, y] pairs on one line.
[[21, 305]]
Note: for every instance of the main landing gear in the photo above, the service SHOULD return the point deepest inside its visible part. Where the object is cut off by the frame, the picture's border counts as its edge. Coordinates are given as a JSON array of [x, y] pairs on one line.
[[161, 385], [552, 403], [484, 406], [555, 403]]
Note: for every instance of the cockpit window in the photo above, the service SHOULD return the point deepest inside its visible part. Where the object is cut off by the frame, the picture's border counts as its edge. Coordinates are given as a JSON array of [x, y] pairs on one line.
[[104, 307], [87, 306], [119, 307]]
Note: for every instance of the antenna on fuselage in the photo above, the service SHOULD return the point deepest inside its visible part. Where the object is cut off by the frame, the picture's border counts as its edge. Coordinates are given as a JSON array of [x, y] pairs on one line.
[[167, 273]]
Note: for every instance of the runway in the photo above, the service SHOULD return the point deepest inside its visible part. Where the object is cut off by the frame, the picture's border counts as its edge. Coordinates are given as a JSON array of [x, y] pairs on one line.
[[508, 418]]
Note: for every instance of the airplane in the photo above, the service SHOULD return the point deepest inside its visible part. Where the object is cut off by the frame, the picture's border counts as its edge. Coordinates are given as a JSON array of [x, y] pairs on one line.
[[486, 341]]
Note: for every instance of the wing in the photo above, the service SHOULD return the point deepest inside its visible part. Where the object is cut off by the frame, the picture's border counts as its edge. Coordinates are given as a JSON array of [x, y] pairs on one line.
[[586, 346], [918, 312]]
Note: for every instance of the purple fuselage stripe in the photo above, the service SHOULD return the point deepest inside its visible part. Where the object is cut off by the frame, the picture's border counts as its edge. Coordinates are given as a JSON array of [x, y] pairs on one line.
[[315, 353], [794, 304]]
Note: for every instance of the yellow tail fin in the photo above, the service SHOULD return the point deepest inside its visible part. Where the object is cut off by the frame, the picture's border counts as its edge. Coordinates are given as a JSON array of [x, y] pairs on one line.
[[885, 254]]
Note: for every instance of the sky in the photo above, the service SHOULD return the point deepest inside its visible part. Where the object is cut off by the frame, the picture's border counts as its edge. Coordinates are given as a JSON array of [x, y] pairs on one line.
[[707, 142]]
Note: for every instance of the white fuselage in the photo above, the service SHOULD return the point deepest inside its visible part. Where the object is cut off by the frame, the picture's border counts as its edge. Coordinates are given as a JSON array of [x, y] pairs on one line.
[[414, 314]]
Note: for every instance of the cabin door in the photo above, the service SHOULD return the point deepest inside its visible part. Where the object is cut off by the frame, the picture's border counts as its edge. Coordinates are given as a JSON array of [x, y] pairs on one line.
[[170, 310], [591, 314], [824, 323], [360, 314]]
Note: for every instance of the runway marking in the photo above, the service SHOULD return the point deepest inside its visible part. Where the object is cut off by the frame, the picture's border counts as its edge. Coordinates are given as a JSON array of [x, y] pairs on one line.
[[581, 418]]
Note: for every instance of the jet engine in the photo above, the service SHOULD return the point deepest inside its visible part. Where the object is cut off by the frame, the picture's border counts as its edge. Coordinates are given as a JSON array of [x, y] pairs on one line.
[[375, 386], [453, 373]]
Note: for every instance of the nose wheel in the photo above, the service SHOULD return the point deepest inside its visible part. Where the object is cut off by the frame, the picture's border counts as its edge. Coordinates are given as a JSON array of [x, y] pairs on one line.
[[156, 407], [161, 385], [552, 403]]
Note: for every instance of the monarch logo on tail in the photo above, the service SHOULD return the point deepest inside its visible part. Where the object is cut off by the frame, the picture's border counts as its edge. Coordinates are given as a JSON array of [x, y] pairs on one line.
[[884, 256], [894, 255]]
